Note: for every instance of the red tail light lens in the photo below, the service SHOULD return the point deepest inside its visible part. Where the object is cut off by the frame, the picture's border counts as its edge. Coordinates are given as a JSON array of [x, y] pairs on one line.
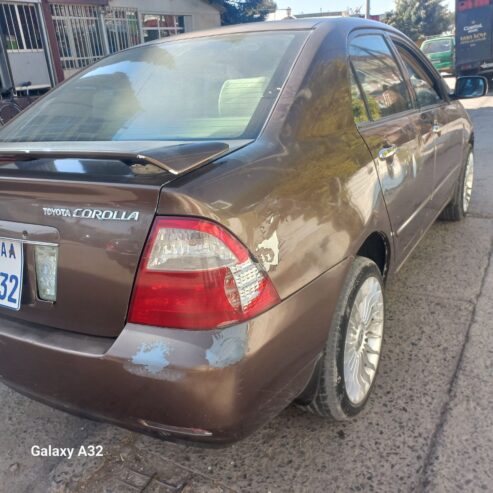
[[195, 275]]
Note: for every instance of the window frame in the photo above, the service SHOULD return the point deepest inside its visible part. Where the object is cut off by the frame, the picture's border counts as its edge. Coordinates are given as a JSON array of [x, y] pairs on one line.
[[423, 63], [350, 67], [352, 76], [24, 33]]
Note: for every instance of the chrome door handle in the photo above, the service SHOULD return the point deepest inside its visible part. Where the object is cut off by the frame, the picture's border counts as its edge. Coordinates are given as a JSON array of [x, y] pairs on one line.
[[387, 152], [436, 129]]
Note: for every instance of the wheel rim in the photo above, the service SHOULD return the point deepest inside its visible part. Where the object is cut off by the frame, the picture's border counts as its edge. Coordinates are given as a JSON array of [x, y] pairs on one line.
[[468, 180], [363, 340]]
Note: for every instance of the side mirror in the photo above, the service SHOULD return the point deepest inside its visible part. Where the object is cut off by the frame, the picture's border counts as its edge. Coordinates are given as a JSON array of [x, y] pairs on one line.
[[470, 86]]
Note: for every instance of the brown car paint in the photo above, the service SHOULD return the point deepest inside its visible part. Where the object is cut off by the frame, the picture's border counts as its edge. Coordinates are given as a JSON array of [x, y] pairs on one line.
[[225, 382], [303, 197]]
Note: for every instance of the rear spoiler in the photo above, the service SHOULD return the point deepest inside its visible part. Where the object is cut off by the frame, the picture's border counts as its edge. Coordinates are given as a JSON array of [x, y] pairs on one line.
[[176, 159]]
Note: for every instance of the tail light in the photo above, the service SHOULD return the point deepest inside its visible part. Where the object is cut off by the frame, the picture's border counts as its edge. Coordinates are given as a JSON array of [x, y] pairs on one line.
[[196, 275]]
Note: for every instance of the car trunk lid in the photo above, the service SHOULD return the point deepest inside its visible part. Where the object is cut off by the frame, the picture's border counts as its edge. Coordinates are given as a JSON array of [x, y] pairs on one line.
[[97, 207]]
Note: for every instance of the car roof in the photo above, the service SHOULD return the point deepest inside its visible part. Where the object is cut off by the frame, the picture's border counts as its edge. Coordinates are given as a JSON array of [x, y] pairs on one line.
[[342, 24]]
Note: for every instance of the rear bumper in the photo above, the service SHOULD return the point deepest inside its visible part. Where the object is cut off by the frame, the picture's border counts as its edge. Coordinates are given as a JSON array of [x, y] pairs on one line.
[[209, 386]]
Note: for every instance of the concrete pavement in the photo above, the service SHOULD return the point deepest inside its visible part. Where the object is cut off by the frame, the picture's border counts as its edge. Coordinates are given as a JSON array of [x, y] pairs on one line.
[[461, 454], [427, 427]]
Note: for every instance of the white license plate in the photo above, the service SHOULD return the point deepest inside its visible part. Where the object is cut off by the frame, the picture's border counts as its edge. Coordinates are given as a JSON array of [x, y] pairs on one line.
[[11, 265]]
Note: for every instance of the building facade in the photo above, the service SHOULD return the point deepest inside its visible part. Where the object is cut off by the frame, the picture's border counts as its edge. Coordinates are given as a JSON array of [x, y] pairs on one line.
[[46, 41]]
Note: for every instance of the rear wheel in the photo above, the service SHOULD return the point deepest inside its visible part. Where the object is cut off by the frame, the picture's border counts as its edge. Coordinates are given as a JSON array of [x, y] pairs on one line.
[[458, 207], [350, 360]]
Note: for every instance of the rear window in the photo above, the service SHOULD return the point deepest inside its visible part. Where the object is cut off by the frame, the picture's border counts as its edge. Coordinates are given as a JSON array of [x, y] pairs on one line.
[[437, 46], [220, 87]]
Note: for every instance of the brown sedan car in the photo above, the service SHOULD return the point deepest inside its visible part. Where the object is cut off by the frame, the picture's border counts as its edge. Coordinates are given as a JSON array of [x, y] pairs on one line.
[[196, 232]]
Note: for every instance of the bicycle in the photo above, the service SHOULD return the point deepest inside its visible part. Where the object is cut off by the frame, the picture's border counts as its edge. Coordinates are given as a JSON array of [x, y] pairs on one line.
[[9, 107]]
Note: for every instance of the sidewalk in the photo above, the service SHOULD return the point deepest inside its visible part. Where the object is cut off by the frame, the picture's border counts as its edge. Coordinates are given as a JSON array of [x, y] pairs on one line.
[[462, 457]]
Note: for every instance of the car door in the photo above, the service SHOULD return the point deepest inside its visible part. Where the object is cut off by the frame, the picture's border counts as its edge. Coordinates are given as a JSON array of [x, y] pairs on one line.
[[439, 123], [391, 136]]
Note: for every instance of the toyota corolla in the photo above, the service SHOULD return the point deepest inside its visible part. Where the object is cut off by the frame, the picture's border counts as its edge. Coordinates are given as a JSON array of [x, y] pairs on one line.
[[197, 232]]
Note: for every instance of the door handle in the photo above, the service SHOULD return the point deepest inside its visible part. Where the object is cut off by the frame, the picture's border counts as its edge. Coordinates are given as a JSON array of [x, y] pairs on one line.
[[436, 129], [387, 152]]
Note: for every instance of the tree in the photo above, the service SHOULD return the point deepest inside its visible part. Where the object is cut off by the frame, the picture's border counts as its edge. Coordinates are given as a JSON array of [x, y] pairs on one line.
[[239, 11], [419, 18]]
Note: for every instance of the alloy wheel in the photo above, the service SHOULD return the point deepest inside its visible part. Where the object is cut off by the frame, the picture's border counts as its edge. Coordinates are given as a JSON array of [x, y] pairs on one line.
[[363, 340]]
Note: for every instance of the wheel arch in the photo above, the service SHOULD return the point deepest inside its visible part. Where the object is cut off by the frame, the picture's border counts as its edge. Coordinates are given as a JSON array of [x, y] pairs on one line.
[[376, 247]]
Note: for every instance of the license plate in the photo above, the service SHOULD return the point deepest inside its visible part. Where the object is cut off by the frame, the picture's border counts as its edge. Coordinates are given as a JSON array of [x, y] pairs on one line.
[[11, 265]]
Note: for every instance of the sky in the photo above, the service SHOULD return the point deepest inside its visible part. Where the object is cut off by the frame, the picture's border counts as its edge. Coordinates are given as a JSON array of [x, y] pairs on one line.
[[308, 6]]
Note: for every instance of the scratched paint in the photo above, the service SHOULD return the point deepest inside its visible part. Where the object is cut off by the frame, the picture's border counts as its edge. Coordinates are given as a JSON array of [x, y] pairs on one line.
[[268, 251], [228, 346], [166, 374], [152, 356]]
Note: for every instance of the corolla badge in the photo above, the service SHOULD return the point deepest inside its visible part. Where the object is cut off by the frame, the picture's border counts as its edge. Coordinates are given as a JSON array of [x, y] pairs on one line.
[[98, 214]]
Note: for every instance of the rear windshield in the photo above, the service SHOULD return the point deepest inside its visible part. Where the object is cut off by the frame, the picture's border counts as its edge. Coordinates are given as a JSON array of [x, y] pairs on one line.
[[437, 46], [220, 87]]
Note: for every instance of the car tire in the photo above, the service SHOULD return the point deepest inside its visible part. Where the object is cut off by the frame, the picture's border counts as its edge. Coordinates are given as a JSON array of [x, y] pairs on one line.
[[458, 207], [334, 396]]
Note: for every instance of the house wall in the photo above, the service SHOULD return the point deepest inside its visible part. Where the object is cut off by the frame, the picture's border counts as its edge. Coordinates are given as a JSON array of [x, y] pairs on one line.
[[204, 16]]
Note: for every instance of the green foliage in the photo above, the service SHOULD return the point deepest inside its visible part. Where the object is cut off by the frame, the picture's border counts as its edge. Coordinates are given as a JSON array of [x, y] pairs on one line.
[[420, 18], [239, 11]]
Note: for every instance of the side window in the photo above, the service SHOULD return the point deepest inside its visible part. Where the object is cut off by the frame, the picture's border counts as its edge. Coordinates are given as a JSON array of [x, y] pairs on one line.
[[423, 84], [359, 109], [379, 76]]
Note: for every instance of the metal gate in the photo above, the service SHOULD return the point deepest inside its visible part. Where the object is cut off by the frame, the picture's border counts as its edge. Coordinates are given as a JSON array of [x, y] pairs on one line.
[[80, 37], [86, 33], [122, 28]]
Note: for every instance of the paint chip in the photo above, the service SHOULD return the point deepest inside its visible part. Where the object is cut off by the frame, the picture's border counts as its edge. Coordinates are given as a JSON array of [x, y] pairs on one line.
[[228, 346], [268, 251], [152, 356]]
